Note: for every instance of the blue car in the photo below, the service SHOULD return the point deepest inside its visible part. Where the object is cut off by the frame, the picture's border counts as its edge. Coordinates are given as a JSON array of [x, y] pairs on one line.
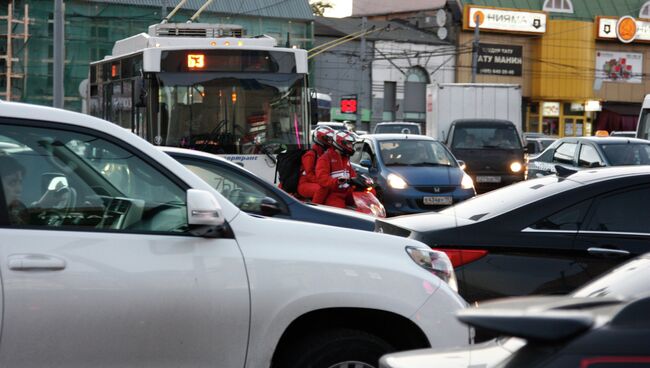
[[256, 196], [413, 173]]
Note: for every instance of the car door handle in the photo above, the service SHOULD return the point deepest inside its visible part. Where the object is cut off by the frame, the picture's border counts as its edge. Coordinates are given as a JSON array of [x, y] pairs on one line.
[[26, 262], [608, 252]]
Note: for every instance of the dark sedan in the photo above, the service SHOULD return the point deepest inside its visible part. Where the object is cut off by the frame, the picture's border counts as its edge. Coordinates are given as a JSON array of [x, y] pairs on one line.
[[589, 152], [413, 173], [543, 236], [254, 195], [605, 324]]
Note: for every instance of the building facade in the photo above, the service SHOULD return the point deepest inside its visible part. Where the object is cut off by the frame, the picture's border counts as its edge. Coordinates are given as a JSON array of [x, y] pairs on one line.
[[93, 26], [576, 74]]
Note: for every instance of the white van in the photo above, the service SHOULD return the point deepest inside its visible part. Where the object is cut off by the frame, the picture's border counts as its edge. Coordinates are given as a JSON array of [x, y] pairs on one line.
[[114, 254], [643, 126]]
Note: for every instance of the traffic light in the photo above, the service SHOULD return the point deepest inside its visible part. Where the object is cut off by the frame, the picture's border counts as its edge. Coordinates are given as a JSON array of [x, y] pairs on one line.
[[349, 104]]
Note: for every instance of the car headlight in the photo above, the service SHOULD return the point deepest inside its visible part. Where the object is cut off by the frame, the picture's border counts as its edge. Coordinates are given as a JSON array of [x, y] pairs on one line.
[[516, 167], [435, 262], [467, 182], [396, 182]]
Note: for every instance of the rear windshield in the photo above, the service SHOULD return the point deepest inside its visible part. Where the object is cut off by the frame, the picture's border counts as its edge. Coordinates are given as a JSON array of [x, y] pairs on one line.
[[486, 136], [627, 154], [502, 200], [397, 128]]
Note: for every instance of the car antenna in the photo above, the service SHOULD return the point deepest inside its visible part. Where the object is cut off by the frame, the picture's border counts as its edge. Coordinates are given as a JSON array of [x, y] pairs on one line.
[[564, 172]]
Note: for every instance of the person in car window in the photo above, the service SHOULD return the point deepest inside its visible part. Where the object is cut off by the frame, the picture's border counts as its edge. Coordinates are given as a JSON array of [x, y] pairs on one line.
[[11, 175], [308, 184], [333, 171]]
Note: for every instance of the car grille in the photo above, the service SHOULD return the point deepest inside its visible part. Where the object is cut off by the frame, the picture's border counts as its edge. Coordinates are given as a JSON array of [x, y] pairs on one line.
[[432, 189]]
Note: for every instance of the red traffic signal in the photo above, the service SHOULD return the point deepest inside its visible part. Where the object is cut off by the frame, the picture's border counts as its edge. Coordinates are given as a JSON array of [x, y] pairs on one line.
[[349, 104]]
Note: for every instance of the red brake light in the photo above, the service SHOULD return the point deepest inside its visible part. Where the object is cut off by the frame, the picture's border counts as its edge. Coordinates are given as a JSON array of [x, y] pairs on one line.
[[459, 257]]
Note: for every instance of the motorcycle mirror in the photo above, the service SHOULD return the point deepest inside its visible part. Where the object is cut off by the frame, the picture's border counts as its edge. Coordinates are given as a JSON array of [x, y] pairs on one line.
[[269, 207]]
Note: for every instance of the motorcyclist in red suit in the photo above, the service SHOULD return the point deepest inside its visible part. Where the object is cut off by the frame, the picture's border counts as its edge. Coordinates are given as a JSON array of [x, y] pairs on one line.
[[307, 183], [333, 171]]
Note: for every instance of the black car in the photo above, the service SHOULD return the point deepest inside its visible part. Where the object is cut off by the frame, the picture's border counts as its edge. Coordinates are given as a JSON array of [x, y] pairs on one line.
[[492, 150], [589, 152], [605, 324], [254, 195], [544, 236]]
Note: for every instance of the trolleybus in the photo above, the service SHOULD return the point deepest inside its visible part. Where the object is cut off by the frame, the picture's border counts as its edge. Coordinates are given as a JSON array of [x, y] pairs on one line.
[[206, 87]]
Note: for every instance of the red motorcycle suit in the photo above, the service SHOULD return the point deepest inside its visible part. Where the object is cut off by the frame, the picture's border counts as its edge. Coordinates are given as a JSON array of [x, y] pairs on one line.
[[307, 183], [330, 167]]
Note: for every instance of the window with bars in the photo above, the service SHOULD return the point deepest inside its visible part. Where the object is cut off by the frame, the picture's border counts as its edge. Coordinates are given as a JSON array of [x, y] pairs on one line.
[[645, 10], [558, 6]]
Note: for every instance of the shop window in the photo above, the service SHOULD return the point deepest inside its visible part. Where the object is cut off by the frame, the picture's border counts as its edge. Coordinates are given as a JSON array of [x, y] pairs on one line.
[[558, 6], [645, 10]]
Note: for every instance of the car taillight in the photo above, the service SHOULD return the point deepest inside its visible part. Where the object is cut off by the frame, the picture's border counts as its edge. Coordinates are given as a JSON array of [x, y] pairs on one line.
[[459, 257]]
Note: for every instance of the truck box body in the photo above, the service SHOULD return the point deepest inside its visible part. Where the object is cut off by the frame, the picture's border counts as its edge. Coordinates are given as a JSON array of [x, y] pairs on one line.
[[447, 102]]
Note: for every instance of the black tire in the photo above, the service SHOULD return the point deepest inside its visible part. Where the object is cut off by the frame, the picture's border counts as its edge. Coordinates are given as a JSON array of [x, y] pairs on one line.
[[334, 348]]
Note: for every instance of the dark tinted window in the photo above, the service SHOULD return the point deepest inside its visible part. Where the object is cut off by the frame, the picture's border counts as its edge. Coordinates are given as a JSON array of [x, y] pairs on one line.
[[566, 219], [627, 281], [622, 212], [564, 153], [589, 157], [486, 136], [627, 154], [397, 128], [508, 198]]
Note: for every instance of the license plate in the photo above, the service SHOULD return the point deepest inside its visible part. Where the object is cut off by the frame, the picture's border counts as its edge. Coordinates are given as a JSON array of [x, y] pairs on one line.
[[488, 179], [437, 201]]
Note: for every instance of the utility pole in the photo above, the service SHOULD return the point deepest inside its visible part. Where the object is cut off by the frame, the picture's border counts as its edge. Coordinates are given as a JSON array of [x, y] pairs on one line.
[[475, 47], [59, 56], [362, 59]]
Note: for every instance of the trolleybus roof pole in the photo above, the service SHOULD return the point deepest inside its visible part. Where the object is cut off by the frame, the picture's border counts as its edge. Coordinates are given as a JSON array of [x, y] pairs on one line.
[[171, 14], [198, 12]]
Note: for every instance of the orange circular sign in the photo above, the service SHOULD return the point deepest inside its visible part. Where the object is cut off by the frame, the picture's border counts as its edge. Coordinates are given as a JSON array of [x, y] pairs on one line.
[[626, 29], [481, 17]]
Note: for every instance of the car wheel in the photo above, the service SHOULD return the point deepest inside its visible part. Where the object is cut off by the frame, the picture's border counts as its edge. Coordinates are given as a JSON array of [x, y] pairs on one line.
[[336, 349]]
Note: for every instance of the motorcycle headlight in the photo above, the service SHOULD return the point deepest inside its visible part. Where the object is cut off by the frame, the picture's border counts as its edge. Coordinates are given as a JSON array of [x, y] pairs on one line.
[[435, 262], [467, 182], [396, 182]]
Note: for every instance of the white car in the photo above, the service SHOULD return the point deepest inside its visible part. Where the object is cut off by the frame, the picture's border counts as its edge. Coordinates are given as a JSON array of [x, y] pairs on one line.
[[114, 254]]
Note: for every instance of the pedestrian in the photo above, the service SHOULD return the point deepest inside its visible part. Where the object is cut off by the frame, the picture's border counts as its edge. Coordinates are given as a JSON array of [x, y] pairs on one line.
[[333, 171], [307, 183]]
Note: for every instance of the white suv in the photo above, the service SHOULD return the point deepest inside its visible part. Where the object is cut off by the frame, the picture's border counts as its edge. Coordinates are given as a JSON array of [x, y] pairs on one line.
[[113, 254]]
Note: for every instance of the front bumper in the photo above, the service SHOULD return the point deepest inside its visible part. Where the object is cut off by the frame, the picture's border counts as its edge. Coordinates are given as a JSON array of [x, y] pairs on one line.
[[411, 200]]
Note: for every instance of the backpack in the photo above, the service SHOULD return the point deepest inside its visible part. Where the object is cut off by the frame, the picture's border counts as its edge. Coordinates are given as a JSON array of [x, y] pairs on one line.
[[287, 169]]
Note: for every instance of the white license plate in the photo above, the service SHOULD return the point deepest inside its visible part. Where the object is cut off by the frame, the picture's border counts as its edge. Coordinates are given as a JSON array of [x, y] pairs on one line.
[[437, 201], [488, 179]]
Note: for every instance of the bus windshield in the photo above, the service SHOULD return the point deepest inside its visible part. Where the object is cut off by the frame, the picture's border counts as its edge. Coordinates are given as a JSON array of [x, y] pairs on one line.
[[232, 113]]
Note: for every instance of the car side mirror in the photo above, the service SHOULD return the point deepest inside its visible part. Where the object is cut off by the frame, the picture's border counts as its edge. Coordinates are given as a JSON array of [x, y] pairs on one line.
[[204, 212], [462, 164], [269, 207], [366, 163]]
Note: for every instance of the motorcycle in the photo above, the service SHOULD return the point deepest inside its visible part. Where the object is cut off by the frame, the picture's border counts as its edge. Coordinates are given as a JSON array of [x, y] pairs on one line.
[[365, 196]]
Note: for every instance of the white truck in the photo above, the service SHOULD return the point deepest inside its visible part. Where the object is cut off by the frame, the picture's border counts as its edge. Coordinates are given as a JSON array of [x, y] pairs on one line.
[[447, 102]]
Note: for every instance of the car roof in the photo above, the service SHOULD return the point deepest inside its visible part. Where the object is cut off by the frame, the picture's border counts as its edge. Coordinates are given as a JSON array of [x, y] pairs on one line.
[[397, 137], [605, 140], [610, 172], [482, 121]]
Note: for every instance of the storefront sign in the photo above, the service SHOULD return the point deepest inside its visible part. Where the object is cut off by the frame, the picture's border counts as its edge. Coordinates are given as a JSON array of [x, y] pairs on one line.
[[505, 20], [625, 67], [625, 29], [494, 59], [551, 109]]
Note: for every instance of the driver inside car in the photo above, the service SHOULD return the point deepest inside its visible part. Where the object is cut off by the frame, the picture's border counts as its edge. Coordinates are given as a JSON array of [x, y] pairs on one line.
[[12, 175]]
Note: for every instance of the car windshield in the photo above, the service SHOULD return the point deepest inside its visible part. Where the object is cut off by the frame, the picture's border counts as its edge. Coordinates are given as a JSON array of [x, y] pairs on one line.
[[397, 128], [627, 154], [486, 136], [627, 281], [505, 199], [409, 152]]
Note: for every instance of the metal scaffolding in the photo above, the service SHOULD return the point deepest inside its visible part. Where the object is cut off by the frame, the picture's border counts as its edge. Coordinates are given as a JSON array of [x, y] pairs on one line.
[[7, 74]]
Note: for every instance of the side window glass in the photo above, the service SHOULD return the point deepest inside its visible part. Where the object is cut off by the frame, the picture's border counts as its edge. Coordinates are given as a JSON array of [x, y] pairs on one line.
[[243, 192], [75, 180], [564, 153], [622, 212], [567, 219], [366, 154], [589, 157], [358, 153]]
